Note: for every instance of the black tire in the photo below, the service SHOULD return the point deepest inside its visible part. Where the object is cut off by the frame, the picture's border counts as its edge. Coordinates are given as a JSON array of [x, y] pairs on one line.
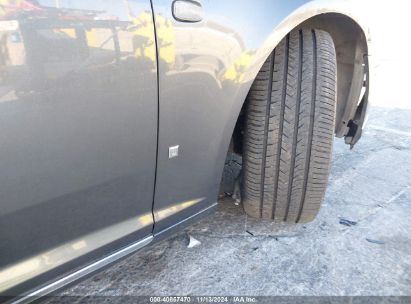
[[289, 129]]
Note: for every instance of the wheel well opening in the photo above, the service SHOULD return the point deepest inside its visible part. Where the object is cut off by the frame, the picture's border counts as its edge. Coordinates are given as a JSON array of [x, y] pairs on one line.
[[351, 49]]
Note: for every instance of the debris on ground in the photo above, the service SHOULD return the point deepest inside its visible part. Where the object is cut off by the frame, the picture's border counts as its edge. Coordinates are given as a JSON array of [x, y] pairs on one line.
[[223, 195], [345, 222], [192, 242], [379, 242]]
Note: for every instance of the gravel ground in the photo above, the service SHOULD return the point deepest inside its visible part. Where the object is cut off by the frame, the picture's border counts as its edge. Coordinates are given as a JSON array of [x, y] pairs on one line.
[[370, 185]]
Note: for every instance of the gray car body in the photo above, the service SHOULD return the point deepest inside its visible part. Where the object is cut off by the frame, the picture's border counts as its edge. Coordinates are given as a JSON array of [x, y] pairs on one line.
[[93, 94]]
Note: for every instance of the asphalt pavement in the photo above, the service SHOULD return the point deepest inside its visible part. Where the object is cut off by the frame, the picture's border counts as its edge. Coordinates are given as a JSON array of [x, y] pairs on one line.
[[369, 185]]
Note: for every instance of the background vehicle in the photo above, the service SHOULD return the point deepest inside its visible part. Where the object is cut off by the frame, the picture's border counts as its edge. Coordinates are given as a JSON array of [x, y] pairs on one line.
[[116, 118]]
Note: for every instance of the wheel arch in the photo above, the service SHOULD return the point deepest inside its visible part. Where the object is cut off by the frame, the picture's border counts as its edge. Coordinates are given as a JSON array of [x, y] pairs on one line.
[[351, 40]]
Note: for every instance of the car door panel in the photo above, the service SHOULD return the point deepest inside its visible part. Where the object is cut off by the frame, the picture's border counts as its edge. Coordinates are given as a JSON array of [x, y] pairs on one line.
[[78, 121]]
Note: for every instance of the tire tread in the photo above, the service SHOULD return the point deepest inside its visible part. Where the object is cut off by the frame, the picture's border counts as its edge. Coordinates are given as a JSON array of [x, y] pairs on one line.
[[289, 129]]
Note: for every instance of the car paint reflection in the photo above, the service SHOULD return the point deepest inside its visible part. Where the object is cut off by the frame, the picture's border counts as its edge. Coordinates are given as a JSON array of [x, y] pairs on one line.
[[78, 113], [55, 257]]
